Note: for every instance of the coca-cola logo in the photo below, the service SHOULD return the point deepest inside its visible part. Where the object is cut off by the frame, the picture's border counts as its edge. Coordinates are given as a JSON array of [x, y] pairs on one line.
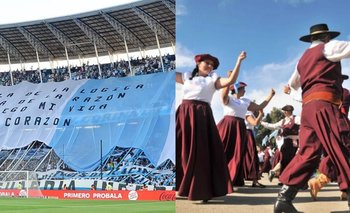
[[167, 196], [133, 195]]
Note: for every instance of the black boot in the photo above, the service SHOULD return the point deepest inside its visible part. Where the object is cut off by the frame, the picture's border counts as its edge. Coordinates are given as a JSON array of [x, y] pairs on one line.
[[271, 175], [284, 200]]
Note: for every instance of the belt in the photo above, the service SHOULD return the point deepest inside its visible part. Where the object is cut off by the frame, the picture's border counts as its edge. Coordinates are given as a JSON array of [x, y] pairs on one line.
[[323, 96]]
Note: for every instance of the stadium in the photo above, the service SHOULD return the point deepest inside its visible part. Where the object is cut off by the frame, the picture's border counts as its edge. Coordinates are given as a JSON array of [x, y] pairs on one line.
[[87, 104]]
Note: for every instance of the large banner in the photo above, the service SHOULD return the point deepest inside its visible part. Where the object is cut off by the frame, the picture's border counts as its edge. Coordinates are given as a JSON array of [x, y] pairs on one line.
[[77, 118]]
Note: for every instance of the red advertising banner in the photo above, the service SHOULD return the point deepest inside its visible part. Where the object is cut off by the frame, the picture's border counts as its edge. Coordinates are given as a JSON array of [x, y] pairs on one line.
[[95, 194]]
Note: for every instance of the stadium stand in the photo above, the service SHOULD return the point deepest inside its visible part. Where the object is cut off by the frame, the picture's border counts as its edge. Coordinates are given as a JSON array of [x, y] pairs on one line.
[[141, 66], [136, 27]]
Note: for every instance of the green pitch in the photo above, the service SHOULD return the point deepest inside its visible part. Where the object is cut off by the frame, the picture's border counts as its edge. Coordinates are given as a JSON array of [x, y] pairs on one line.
[[36, 205]]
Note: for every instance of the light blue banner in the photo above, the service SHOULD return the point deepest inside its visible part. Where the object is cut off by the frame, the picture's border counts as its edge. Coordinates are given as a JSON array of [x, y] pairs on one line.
[[133, 112]]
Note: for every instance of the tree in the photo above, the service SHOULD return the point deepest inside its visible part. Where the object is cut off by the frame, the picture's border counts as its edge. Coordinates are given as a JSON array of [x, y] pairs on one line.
[[274, 116]]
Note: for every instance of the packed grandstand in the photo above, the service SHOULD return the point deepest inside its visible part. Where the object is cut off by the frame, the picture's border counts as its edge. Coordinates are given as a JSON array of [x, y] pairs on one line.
[[86, 124]]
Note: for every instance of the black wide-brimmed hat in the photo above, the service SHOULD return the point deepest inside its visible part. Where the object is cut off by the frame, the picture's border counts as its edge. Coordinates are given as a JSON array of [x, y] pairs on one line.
[[203, 57], [319, 29], [344, 77]]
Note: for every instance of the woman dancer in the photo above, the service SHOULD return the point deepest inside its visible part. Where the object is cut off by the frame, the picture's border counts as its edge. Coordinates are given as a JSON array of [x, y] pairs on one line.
[[232, 128], [201, 171], [251, 161]]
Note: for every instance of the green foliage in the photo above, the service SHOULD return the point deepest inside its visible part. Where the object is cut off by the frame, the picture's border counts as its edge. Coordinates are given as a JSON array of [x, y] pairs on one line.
[[276, 115], [273, 117], [39, 205]]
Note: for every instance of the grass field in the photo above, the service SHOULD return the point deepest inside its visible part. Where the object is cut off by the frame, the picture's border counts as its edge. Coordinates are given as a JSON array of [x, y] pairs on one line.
[[36, 205]]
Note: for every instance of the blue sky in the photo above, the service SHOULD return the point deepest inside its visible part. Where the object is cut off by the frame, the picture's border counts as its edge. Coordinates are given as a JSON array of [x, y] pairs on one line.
[[268, 30]]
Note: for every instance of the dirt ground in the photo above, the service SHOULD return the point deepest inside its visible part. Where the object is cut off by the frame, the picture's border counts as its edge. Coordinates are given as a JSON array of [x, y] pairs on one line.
[[260, 200]]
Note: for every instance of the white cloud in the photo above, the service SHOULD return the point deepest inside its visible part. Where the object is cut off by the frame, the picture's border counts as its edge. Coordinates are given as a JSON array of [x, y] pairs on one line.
[[279, 100], [181, 9], [276, 76], [268, 75], [184, 57]]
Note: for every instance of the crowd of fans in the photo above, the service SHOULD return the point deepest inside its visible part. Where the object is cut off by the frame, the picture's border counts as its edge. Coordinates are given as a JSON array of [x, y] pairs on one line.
[[123, 165], [140, 66]]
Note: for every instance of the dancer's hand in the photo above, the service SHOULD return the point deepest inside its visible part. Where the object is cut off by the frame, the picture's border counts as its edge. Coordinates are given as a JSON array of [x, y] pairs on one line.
[[287, 89]]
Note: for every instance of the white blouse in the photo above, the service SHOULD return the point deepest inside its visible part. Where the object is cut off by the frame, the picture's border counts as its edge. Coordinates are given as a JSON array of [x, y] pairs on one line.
[[236, 107], [279, 124], [249, 126], [199, 88]]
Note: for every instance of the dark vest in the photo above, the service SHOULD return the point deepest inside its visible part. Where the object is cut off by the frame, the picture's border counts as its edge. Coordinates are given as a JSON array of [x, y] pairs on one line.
[[317, 73], [290, 128]]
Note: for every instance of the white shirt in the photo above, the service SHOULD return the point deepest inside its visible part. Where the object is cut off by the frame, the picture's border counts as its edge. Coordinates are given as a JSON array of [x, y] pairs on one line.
[[199, 88], [279, 141], [278, 125], [236, 107], [261, 156], [334, 51], [249, 126]]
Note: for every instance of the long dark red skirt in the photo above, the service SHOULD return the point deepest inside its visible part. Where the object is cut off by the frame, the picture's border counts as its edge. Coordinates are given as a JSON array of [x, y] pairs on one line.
[[287, 153], [201, 169], [251, 161], [322, 126], [266, 167], [232, 131]]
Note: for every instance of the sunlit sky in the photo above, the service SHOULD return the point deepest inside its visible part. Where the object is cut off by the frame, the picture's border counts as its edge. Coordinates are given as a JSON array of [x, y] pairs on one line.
[[268, 31], [14, 11]]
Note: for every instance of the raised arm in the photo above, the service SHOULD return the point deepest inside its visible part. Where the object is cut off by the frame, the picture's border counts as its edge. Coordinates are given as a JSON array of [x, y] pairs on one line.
[[255, 107], [274, 126], [293, 82], [224, 95], [224, 82], [255, 121], [225, 91]]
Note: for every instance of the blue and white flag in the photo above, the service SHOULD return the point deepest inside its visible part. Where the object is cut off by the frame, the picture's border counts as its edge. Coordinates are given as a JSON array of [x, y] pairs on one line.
[[274, 134], [75, 117], [265, 140]]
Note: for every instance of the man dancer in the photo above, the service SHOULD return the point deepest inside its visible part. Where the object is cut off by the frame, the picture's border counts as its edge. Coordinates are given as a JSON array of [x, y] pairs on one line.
[[323, 125], [327, 170]]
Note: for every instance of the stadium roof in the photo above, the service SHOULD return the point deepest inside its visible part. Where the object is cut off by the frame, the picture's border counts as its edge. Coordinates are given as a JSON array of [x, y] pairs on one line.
[[136, 22]]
